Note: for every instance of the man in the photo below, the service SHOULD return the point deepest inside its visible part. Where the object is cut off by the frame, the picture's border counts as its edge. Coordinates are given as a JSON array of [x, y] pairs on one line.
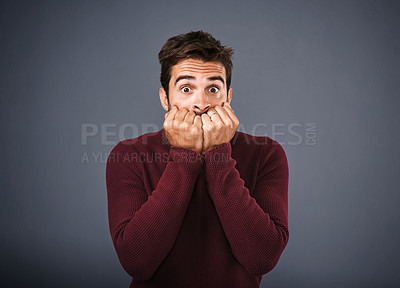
[[197, 204]]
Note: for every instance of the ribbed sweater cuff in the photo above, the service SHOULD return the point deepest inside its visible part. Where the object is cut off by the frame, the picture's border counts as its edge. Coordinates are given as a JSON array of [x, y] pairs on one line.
[[186, 157], [219, 157]]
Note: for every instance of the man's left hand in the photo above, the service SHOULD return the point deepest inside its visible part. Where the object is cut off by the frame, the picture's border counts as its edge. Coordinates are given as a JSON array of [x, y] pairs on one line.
[[219, 126]]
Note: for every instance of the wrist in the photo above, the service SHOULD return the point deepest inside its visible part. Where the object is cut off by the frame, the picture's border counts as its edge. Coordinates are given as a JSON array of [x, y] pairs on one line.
[[185, 156], [219, 156]]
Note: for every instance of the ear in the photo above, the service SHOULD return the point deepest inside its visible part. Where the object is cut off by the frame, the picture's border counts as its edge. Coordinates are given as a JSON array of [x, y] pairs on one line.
[[163, 99], [229, 96]]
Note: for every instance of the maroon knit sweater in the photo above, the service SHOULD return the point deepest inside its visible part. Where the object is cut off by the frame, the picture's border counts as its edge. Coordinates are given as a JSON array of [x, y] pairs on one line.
[[182, 219]]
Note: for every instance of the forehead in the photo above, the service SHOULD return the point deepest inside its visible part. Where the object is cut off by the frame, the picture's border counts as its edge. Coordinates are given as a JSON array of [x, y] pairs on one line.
[[194, 66]]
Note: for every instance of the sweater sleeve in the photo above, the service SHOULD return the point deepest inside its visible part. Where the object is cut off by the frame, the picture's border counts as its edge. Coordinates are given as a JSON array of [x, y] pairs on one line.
[[256, 227], [144, 228]]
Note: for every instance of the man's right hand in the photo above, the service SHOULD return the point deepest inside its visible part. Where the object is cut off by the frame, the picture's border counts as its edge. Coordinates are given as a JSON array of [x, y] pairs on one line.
[[183, 128]]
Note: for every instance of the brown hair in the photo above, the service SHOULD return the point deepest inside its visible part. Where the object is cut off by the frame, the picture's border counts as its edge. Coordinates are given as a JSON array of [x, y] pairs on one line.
[[193, 45]]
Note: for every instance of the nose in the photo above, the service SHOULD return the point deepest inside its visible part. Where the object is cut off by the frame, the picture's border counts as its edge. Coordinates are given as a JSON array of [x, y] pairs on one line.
[[201, 104]]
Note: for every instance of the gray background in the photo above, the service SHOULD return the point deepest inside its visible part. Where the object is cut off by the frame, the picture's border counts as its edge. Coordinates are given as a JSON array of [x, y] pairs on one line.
[[69, 63]]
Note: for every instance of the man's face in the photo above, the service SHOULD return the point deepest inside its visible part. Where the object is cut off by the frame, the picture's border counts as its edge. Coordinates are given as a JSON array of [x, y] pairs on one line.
[[196, 86]]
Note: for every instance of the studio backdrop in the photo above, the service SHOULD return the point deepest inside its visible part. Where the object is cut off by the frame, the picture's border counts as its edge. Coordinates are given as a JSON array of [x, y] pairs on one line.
[[320, 77]]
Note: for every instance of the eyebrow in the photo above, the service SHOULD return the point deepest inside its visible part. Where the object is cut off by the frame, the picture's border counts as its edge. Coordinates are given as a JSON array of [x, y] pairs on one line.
[[212, 78]]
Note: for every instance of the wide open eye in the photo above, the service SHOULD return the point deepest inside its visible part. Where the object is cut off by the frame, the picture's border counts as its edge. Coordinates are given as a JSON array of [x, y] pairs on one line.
[[186, 89], [213, 89]]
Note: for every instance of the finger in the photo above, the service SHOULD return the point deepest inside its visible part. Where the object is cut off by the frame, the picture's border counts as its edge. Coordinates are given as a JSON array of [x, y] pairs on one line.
[[214, 116], [226, 104], [180, 115], [170, 115], [229, 110], [197, 121], [231, 114], [223, 114], [206, 120], [190, 117], [211, 111]]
